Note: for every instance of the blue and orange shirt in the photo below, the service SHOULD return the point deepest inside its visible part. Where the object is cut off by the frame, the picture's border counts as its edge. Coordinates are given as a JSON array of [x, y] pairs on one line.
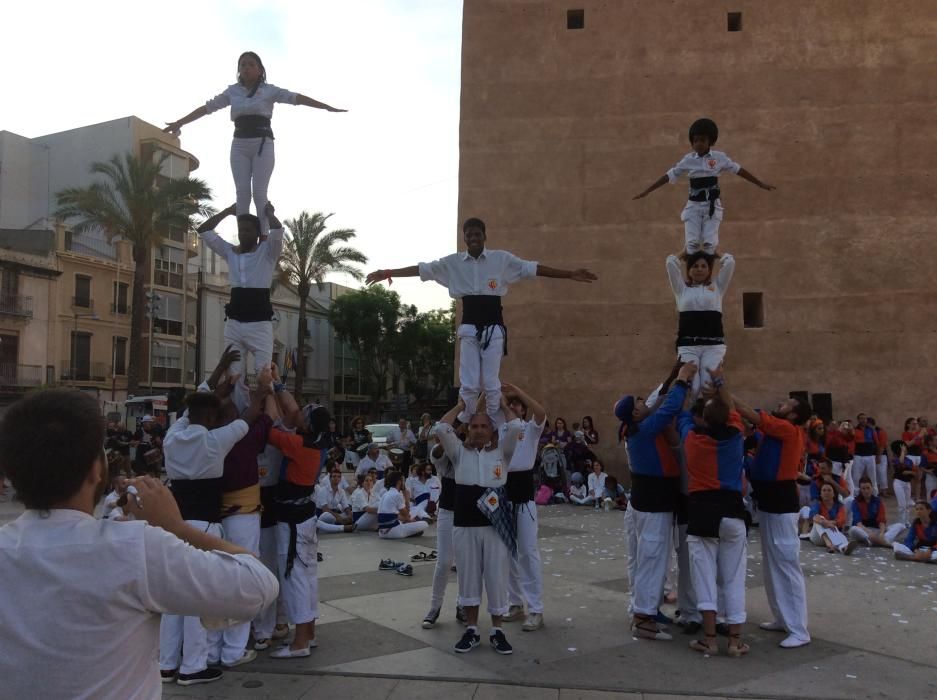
[[836, 512], [871, 514], [920, 535], [866, 443], [649, 453], [779, 456], [818, 482], [714, 459]]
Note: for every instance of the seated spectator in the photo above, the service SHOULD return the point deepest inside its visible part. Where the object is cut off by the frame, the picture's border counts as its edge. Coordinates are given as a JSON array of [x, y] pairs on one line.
[[615, 495], [596, 484], [393, 516], [579, 492], [375, 458], [588, 429], [559, 436], [364, 504], [920, 544], [826, 475], [869, 519], [579, 457], [829, 517], [422, 505], [378, 482], [82, 597], [332, 505], [553, 472]]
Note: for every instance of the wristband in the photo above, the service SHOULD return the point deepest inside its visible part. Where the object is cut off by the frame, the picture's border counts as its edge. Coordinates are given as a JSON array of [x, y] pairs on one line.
[[278, 387]]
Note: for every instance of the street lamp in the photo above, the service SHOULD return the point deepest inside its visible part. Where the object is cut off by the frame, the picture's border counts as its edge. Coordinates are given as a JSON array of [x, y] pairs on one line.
[[74, 355]]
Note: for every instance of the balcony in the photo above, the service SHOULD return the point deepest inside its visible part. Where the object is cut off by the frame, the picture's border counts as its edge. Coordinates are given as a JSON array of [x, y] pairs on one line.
[[16, 305], [84, 372], [21, 375], [82, 303]]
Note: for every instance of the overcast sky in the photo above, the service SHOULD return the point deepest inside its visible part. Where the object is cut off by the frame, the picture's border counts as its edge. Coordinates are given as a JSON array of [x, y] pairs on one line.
[[388, 168]]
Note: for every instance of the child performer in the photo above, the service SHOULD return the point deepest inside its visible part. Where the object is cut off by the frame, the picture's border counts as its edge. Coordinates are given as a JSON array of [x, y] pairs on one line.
[[251, 99], [480, 277], [703, 211]]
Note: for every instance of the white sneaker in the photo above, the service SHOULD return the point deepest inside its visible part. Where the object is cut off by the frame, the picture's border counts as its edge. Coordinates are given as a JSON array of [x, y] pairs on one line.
[[793, 642], [533, 622], [284, 652], [248, 656], [772, 626]]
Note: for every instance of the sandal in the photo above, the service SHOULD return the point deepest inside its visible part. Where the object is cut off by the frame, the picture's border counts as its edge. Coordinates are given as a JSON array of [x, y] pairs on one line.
[[739, 649], [432, 556], [646, 628], [419, 556], [707, 647]]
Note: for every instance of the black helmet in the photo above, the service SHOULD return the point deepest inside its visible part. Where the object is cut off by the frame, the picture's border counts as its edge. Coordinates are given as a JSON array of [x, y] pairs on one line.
[[705, 127]]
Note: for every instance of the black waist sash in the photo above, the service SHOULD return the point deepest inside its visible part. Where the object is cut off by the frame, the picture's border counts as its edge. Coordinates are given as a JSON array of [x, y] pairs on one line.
[[705, 510], [249, 305], [776, 496], [484, 311], [705, 189], [198, 499], [520, 486], [294, 504], [700, 328], [655, 494], [447, 495], [253, 126], [466, 513], [268, 516]]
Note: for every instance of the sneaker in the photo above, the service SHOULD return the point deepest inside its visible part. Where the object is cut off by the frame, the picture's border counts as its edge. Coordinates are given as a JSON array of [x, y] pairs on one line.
[[793, 642], [169, 675], [405, 570], [460, 615], [261, 644], [206, 676], [248, 656], [772, 626], [662, 619], [389, 565], [430, 620], [533, 622], [500, 643], [284, 652], [469, 641], [850, 548], [515, 613]]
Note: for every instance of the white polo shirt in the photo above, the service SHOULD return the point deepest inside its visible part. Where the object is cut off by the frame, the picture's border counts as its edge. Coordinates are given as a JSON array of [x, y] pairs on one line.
[[527, 444], [261, 104], [698, 297], [195, 452], [489, 274], [253, 270], [709, 165], [488, 468]]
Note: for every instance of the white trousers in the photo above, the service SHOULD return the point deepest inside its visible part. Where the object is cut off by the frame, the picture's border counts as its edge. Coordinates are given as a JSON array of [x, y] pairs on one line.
[[327, 523], [255, 338], [228, 644], [367, 521], [865, 465], [525, 582], [251, 172], [902, 491], [479, 370], [418, 510], [837, 538], [930, 484], [701, 229], [706, 357], [720, 559], [650, 540], [784, 579], [481, 558], [900, 548], [891, 533], [300, 591], [401, 530], [184, 637], [444, 557], [881, 471], [267, 619], [686, 593], [587, 501]]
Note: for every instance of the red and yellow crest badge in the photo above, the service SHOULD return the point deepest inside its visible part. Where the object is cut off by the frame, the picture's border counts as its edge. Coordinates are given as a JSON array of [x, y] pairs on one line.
[[492, 284], [711, 163], [493, 500], [498, 472]]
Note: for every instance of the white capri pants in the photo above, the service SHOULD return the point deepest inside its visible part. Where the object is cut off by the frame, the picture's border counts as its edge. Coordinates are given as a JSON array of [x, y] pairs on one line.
[[650, 540], [784, 578], [837, 538], [255, 338], [865, 465], [891, 533], [905, 502], [268, 618], [706, 357], [228, 645], [328, 523], [365, 521], [900, 548], [479, 370], [525, 582], [481, 557], [402, 530], [251, 172], [720, 559], [444, 557], [299, 591], [686, 593], [701, 230], [184, 637]]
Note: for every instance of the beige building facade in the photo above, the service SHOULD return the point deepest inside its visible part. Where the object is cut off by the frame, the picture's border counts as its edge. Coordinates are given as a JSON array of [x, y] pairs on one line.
[[569, 110]]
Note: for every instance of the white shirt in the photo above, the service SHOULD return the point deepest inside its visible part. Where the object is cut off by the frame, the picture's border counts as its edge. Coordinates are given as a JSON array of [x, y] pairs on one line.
[[69, 632], [699, 297], [435, 488], [382, 464], [254, 269], [479, 467], [524, 452], [596, 484], [443, 464], [110, 505], [195, 452], [490, 274], [261, 104], [709, 165], [391, 502], [418, 489], [360, 500], [404, 439], [327, 499]]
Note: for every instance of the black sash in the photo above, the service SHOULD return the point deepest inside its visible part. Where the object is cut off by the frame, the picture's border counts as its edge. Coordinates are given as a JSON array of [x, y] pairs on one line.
[[268, 516], [294, 504], [447, 495], [705, 189], [485, 313], [520, 486], [776, 496], [249, 305], [700, 328], [655, 494], [466, 506], [198, 499], [705, 510], [253, 126]]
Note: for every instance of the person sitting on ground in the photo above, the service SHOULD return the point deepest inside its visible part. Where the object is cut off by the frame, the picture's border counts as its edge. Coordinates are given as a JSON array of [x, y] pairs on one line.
[[79, 594], [375, 458], [393, 517], [332, 505], [596, 484], [112, 509], [869, 519], [829, 517], [578, 455], [422, 506], [578, 492], [592, 435], [840, 491], [615, 495], [365, 502], [920, 544]]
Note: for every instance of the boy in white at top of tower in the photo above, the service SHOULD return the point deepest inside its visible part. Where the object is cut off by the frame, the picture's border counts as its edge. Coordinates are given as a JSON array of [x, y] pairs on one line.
[[480, 277], [703, 211]]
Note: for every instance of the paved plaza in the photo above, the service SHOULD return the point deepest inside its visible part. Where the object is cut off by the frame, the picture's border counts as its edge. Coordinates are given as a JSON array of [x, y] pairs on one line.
[[873, 622]]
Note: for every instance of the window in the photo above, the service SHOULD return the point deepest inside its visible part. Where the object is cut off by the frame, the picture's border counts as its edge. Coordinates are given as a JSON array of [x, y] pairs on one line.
[[82, 296], [119, 304], [753, 310], [120, 356], [734, 21], [169, 318], [168, 267], [80, 356], [167, 362], [575, 19]]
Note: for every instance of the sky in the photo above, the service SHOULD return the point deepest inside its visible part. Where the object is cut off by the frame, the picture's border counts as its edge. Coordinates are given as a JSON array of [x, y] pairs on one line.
[[388, 168]]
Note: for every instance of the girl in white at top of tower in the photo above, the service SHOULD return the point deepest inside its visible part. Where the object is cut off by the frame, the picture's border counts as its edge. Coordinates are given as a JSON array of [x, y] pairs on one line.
[[251, 100], [700, 336]]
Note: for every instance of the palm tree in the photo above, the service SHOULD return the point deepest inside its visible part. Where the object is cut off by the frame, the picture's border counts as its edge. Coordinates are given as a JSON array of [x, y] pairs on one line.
[[309, 254], [135, 202]]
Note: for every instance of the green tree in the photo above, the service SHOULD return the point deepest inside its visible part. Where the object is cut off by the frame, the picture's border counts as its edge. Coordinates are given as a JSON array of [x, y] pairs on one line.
[[134, 201], [426, 354], [309, 254]]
